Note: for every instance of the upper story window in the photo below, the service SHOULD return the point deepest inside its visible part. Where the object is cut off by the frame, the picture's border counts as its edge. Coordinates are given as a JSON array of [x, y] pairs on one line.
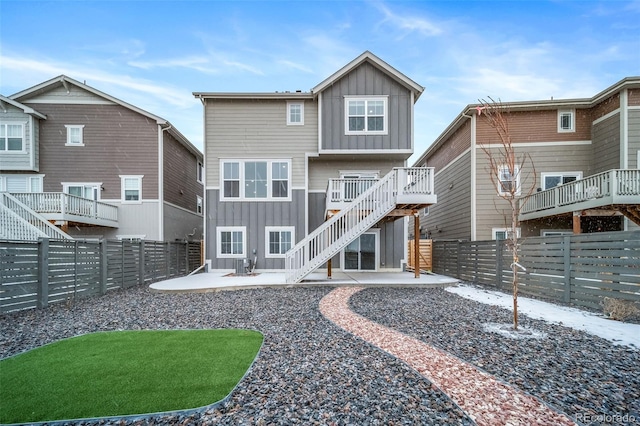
[[11, 137], [566, 121], [74, 135], [200, 172], [84, 190], [255, 180], [550, 180], [508, 183], [295, 113], [131, 188], [366, 115]]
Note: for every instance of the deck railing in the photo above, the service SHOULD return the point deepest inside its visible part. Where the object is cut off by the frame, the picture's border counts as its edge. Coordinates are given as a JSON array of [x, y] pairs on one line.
[[19, 222], [611, 187], [66, 206]]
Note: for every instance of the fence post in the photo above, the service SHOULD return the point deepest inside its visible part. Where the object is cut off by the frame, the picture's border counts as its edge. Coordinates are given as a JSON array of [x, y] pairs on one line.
[[167, 259], [186, 258], [498, 264], [458, 259], [566, 250], [141, 258], [103, 266], [43, 272]]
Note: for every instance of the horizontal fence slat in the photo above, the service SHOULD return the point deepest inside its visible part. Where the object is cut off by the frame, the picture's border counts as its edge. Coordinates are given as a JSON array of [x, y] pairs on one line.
[[600, 265], [74, 269]]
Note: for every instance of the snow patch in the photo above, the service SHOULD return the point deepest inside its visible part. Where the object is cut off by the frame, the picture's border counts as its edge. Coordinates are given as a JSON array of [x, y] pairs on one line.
[[507, 330]]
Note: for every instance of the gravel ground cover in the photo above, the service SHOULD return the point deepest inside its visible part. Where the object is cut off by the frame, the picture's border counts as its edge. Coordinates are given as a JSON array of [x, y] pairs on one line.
[[308, 372], [582, 375]]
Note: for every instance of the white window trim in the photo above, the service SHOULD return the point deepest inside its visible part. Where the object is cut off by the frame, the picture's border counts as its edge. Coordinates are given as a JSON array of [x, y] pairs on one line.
[[24, 137], [544, 175], [220, 230], [518, 187], [385, 122], [295, 123], [66, 185], [74, 126], [241, 163], [199, 204], [122, 195], [267, 229], [572, 112], [132, 238], [29, 180], [200, 172], [494, 232]]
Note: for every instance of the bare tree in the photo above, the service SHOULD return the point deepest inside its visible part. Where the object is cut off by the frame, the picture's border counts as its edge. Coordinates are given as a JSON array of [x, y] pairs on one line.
[[506, 169]]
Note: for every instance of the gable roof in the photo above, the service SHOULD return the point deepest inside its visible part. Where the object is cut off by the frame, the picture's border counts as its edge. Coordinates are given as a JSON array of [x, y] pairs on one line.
[[63, 80], [27, 110], [376, 62], [625, 83]]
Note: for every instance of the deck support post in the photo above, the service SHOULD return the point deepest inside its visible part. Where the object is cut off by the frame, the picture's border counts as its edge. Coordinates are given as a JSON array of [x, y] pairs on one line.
[[416, 243], [329, 269], [577, 228]]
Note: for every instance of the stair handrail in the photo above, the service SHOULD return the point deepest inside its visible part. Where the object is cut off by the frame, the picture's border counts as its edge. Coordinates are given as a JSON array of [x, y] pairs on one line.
[[342, 228], [14, 227], [32, 218]]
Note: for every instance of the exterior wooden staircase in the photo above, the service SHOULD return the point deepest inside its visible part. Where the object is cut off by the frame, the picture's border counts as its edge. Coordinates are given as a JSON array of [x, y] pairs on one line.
[[19, 222], [402, 190]]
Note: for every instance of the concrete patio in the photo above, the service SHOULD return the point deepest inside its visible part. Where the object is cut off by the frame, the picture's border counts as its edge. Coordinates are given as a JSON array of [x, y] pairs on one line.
[[216, 281]]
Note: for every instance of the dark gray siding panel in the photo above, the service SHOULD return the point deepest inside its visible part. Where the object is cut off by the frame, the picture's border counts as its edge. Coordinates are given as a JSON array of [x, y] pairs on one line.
[[317, 202], [366, 80], [606, 144], [181, 225], [450, 217], [254, 216], [392, 243], [634, 138]]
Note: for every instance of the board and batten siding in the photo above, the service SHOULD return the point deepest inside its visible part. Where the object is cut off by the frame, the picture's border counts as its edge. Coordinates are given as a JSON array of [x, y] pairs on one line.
[[257, 129], [452, 213], [20, 160], [254, 216], [366, 80], [494, 212], [181, 186], [606, 144], [117, 141], [634, 137], [322, 169]]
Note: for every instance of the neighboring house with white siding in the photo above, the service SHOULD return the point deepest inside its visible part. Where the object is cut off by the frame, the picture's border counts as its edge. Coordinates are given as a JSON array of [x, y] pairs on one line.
[[586, 155], [283, 166], [97, 166]]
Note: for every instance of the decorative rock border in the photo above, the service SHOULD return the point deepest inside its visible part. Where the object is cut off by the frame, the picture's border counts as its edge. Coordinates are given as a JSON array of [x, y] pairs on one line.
[[485, 399]]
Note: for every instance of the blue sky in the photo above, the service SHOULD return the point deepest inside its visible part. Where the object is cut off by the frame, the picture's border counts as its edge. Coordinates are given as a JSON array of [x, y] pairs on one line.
[[154, 54]]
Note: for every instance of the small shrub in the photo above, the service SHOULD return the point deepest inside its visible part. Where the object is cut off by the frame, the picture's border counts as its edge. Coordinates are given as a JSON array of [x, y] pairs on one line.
[[620, 310]]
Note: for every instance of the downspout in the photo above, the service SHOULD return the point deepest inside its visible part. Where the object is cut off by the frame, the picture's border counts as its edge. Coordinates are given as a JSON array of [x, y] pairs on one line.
[[204, 185], [161, 180], [473, 171]]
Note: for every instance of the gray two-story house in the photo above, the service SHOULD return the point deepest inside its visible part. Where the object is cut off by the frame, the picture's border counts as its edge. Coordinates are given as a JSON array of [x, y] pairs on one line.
[[298, 179], [78, 160]]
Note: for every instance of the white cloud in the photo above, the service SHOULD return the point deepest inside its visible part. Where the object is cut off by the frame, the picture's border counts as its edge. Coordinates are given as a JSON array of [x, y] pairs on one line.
[[407, 24], [196, 63], [296, 66]]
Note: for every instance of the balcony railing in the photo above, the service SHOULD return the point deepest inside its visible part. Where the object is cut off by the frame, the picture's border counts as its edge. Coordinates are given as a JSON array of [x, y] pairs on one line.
[[613, 187], [59, 206]]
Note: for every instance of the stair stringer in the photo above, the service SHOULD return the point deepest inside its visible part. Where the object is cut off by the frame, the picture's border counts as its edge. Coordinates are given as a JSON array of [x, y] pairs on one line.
[[344, 227]]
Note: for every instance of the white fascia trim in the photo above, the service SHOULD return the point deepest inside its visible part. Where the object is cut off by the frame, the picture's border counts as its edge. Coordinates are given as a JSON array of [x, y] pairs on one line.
[[606, 116], [71, 102], [316, 191], [535, 144], [161, 181], [183, 209], [365, 151], [320, 122], [624, 129], [474, 181]]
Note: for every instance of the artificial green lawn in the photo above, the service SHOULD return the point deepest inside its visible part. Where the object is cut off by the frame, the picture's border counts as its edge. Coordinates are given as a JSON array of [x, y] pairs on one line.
[[124, 372]]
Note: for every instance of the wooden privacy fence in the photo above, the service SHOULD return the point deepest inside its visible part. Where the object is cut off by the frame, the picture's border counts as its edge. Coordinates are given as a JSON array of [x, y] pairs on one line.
[[579, 269], [35, 274], [426, 247]]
